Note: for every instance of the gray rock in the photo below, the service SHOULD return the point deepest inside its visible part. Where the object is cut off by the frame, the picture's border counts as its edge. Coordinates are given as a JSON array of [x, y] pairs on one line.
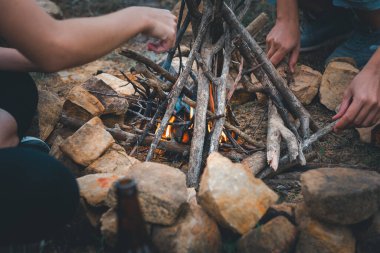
[[51, 8], [319, 237], [162, 192], [278, 235], [341, 195]]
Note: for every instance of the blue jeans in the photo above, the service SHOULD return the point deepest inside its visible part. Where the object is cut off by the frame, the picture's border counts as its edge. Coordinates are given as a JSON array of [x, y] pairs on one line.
[[368, 5]]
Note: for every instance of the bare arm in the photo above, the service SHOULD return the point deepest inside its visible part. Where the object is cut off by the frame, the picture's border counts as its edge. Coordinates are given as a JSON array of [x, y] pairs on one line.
[[13, 60], [284, 37], [53, 45]]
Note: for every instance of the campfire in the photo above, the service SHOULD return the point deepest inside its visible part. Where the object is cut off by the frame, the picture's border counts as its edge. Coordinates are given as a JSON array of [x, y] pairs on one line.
[[163, 112]]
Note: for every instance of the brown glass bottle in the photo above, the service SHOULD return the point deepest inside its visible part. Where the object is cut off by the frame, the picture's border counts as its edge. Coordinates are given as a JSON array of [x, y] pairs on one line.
[[132, 233]]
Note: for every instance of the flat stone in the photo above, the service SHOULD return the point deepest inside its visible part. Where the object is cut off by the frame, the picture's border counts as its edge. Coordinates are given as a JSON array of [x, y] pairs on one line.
[[123, 88], [232, 195], [49, 112], [51, 8], [306, 84], [115, 160], [278, 235], [194, 231], [82, 105], [88, 143], [341, 195], [110, 99], [335, 80], [319, 237], [94, 187], [162, 192]]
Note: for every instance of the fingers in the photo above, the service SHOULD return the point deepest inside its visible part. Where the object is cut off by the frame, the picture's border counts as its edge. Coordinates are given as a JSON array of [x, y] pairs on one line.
[[293, 59], [278, 56], [370, 119], [344, 105], [160, 47], [349, 116]]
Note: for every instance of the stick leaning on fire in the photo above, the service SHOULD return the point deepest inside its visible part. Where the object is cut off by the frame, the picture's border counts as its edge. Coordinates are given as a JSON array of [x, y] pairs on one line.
[[219, 35]]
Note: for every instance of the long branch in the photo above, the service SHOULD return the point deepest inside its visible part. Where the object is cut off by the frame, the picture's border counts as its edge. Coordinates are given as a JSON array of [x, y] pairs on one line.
[[294, 104], [181, 81], [306, 145]]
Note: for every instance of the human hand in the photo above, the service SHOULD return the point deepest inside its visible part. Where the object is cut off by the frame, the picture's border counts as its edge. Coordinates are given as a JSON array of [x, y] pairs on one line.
[[160, 24], [283, 39], [361, 101]]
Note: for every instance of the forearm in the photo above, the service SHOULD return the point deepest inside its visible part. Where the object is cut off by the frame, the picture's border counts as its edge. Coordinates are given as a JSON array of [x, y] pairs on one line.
[[53, 45], [78, 41], [287, 11], [13, 60], [373, 64]]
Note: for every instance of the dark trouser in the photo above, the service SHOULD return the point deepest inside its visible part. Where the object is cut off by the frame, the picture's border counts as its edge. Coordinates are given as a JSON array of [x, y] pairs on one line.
[[38, 195]]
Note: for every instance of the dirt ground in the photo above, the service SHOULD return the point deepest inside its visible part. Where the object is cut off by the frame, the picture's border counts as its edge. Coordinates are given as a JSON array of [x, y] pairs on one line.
[[344, 149]]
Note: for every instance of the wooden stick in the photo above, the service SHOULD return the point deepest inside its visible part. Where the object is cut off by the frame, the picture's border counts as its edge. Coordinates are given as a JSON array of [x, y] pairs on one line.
[[257, 24], [149, 63], [199, 133], [276, 130], [221, 94], [268, 172], [264, 79], [291, 100], [177, 88], [243, 135]]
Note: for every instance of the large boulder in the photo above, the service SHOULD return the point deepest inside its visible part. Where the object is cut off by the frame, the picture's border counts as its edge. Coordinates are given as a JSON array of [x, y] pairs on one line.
[[194, 231], [335, 80], [88, 143], [278, 235], [162, 192], [341, 195], [306, 84], [232, 195]]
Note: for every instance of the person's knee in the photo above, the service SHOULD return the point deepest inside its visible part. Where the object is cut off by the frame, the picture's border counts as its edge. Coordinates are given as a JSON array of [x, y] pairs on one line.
[[8, 133]]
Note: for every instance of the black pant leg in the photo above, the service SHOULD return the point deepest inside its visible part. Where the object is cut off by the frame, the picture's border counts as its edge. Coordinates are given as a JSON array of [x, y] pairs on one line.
[[38, 195], [19, 97]]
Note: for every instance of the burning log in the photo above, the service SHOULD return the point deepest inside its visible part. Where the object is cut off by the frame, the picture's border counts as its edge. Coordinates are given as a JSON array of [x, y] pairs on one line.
[[130, 139]]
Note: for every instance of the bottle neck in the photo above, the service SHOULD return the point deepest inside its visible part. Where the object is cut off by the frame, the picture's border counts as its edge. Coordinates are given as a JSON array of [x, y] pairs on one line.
[[131, 225]]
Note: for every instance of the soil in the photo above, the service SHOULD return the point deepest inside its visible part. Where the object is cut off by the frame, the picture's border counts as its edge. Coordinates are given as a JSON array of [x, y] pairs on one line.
[[344, 149]]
